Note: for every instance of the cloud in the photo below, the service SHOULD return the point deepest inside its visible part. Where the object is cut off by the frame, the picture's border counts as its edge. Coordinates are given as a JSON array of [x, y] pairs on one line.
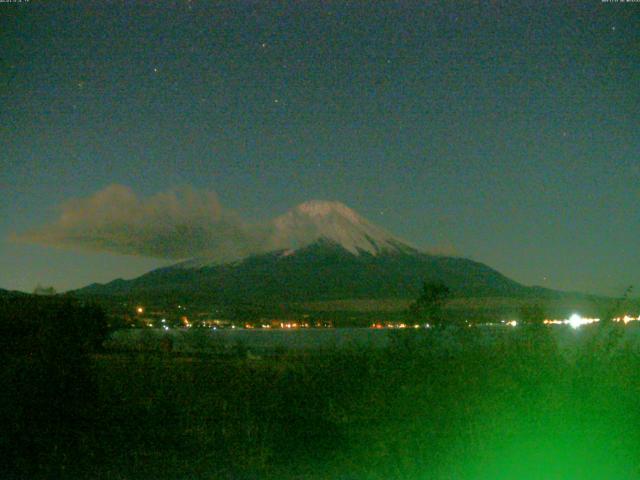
[[178, 224], [186, 224]]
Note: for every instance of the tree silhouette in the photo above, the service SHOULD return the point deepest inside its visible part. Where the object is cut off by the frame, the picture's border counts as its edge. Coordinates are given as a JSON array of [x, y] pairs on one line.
[[428, 306], [532, 314]]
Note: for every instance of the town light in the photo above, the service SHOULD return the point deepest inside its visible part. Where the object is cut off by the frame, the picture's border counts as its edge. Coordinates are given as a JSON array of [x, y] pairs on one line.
[[575, 320]]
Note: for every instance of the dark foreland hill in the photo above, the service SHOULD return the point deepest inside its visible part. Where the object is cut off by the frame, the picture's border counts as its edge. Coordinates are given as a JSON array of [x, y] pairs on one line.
[[322, 251], [11, 293]]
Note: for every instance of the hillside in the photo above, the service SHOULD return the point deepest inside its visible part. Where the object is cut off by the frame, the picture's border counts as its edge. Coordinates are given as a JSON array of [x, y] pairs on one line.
[[321, 251], [321, 271]]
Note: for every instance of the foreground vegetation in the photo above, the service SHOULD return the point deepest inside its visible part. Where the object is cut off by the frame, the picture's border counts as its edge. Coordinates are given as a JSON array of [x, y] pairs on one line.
[[454, 404]]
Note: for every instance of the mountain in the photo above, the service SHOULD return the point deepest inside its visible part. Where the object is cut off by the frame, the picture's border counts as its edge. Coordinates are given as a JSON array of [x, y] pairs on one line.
[[319, 251], [311, 221], [335, 223]]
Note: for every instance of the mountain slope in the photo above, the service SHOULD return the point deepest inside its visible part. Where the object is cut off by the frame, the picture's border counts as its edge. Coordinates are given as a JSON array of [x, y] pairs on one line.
[[336, 223], [319, 251], [321, 271]]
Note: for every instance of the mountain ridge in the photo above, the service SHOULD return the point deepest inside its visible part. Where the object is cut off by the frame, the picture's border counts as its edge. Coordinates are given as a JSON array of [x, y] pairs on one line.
[[320, 271], [319, 251]]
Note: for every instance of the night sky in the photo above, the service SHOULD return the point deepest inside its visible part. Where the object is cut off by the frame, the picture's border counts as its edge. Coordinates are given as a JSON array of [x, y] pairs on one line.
[[507, 132]]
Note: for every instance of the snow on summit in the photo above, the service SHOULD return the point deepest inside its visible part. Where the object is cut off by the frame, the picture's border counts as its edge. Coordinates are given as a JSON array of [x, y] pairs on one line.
[[333, 221], [310, 222]]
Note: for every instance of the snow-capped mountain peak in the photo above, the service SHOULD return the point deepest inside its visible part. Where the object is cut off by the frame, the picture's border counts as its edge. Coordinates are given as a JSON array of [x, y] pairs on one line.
[[310, 222], [333, 221]]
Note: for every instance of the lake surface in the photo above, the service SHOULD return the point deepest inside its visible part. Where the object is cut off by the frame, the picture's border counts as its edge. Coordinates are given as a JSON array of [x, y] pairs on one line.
[[265, 341]]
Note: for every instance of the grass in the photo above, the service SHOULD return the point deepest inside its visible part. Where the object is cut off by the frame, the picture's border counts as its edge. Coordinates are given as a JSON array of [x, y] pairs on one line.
[[451, 405]]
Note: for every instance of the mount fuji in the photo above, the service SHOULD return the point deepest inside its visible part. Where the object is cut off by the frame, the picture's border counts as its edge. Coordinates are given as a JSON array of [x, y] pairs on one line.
[[317, 251]]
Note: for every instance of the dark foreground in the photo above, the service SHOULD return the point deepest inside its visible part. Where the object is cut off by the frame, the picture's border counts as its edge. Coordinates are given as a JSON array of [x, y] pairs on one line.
[[449, 405]]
